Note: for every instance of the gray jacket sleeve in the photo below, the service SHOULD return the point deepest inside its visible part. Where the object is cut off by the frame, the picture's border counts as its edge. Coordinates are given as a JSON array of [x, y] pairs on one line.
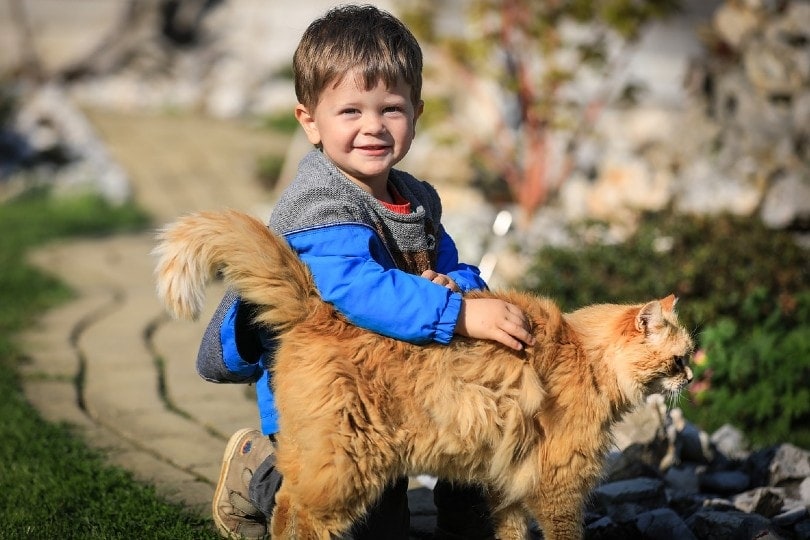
[[232, 349]]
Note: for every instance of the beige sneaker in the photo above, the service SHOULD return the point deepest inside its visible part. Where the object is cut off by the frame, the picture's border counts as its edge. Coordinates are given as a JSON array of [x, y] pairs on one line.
[[234, 515]]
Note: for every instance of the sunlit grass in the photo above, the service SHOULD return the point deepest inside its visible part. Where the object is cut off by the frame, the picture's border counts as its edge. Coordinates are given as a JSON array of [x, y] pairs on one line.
[[51, 484]]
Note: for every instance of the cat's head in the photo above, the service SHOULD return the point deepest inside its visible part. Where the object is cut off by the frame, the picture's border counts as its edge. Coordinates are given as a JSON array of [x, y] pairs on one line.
[[644, 346], [658, 349]]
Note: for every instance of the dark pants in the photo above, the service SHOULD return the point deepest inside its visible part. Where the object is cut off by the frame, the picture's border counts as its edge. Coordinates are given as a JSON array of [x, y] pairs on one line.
[[461, 514], [461, 511]]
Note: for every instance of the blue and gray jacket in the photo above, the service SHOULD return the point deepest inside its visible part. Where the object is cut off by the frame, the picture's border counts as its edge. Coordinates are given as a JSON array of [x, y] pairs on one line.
[[365, 259]]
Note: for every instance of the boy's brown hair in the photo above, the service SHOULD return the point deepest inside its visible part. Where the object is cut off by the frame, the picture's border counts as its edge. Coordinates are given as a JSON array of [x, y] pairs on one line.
[[374, 43]]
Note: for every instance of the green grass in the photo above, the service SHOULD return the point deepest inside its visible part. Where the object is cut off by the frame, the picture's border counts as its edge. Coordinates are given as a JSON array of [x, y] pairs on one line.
[[51, 484]]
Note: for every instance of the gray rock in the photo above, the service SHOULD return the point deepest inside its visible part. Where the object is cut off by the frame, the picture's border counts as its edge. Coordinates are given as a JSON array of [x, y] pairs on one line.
[[663, 524], [607, 529], [730, 442], [724, 482], [789, 463], [791, 517], [683, 479], [804, 491], [692, 443], [734, 23], [802, 530], [773, 68], [766, 502], [647, 492], [717, 525], [787, 201]]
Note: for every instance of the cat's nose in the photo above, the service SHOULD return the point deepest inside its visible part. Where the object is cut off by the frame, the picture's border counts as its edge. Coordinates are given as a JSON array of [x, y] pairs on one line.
[[688, 372]]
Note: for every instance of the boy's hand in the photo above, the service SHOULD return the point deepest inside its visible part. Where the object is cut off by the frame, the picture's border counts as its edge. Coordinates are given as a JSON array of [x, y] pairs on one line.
[[441, 279], [495, 319]]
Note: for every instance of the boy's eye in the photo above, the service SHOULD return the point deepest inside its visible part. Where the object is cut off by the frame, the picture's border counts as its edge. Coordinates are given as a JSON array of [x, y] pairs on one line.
[[394, 109]]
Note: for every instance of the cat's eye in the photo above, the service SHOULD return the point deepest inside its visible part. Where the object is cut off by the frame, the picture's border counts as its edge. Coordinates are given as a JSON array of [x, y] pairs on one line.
[[680, 361]]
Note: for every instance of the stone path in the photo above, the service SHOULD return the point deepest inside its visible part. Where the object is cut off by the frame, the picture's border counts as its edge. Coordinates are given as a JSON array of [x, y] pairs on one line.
[[110, 361]]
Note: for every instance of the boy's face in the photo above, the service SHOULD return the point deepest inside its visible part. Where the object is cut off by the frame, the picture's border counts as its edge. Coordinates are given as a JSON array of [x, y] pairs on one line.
[[364, 132]]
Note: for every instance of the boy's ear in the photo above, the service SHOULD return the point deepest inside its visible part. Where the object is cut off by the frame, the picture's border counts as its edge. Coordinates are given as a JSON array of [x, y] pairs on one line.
[[307, 122], [417, 112]]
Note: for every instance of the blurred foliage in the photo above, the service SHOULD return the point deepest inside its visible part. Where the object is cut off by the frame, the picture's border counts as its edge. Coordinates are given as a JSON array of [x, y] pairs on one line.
[[270, 165], [8, 102], [535, 52], [712, 263], [744, 291], [281, 122], [754, 371], [268, 169]]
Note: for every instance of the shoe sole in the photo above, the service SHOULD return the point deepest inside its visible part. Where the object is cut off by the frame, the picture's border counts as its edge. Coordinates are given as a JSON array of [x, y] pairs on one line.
[[233, 442]]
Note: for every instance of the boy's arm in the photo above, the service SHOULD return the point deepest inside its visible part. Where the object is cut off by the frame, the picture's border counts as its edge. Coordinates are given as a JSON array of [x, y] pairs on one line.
[[231, 349], [354, 272], [373, 295], [483, 318]]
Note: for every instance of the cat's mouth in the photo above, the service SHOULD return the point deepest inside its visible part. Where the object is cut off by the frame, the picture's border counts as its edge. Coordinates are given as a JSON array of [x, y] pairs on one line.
[[678, 378], [671, 385]]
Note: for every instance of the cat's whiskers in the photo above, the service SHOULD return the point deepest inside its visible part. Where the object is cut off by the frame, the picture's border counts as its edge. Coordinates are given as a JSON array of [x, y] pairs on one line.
[[673, 399]]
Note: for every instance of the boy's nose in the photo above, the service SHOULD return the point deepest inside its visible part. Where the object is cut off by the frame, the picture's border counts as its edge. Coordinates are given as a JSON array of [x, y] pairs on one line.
[[373, 124]]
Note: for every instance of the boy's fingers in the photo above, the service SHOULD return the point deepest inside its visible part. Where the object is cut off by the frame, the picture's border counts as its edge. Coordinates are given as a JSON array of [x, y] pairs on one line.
[[520, 332], [507, 339]]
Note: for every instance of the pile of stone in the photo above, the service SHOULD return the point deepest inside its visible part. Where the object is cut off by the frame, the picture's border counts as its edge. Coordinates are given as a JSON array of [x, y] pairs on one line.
[[672, 481], [738, 142], [756, 86]]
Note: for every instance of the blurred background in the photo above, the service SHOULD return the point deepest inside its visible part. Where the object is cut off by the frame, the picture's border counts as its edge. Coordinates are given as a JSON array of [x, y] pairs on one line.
[[614, 150], [591, 151]]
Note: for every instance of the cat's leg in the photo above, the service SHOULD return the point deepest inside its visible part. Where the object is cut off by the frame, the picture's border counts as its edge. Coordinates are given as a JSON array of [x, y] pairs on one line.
[[290, 521], [559, 513], [306, 508], [510, 523], [293, 521], [323, 493]]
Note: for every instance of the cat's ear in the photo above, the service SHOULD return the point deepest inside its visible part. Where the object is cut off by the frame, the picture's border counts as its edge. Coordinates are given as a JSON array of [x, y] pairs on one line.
[[650, 317], [669, 302]]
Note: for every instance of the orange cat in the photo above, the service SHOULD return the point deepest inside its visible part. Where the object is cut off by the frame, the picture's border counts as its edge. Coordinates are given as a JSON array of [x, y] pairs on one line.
[[358, 409]]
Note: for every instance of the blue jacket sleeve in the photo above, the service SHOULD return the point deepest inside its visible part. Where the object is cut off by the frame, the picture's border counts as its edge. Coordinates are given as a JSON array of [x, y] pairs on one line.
[[355, 273], [467, 277], [232, 349]]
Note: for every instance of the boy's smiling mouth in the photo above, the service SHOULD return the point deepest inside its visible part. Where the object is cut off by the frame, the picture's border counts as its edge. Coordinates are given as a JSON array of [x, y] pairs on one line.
[[373, 148]]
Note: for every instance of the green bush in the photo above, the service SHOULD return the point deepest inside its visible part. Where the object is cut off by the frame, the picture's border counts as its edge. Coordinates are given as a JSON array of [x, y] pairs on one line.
[[754, 371], [743, 291]]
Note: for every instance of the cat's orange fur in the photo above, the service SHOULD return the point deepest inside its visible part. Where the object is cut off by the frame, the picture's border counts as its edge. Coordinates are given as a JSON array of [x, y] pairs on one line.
[[358, 409]]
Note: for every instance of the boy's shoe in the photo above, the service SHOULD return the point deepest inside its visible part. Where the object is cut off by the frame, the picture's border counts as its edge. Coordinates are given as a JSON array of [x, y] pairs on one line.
[[234, 515]]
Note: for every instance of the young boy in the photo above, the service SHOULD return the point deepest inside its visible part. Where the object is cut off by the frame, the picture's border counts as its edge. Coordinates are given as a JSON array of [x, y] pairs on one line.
[[373, 239]]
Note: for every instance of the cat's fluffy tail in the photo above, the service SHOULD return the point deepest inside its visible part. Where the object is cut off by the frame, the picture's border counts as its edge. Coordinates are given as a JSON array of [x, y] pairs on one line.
[[257, 263]]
